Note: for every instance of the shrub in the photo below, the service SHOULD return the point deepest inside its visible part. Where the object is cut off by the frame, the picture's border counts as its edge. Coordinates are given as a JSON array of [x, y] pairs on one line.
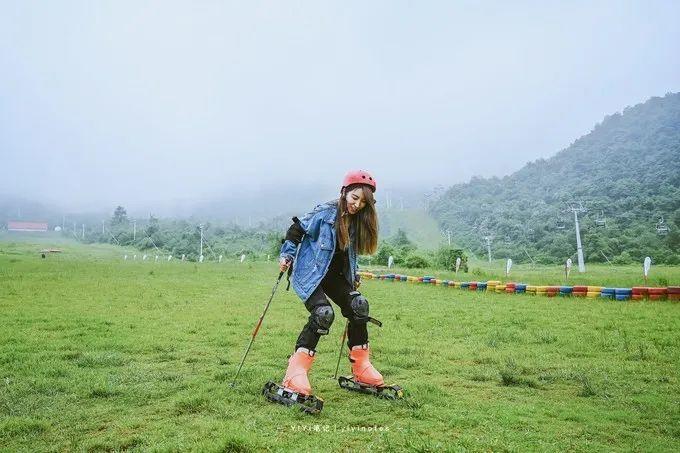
[[623, 258], [445, 257], [416, 262], [384, 252]]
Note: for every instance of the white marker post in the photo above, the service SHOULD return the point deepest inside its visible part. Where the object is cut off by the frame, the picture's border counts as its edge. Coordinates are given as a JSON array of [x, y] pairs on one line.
[[457, 264], [156, 258], [646, 266], [134, 258], [169, 257], [200, 259], [183, 256], [220, 260], [243, 257], [144, 257], [508, 265], [390, 262], [567, 269]]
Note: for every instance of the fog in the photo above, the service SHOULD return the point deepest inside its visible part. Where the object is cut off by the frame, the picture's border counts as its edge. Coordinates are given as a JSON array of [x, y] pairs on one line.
[[173, 104]]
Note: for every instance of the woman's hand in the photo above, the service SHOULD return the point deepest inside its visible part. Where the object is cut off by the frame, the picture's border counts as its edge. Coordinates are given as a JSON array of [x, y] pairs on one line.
[[284, 264]]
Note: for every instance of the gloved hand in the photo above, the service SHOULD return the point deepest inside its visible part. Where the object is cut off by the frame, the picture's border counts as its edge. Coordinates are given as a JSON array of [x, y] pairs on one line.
[[284, 263]]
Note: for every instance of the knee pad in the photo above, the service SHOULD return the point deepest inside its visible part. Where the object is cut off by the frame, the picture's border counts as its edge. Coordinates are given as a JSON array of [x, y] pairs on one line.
[[359, 305], [322, 318]]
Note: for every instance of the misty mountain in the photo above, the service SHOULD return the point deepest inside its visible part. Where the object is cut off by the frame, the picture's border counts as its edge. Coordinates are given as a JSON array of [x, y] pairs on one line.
[[258, 207], [625, 173]]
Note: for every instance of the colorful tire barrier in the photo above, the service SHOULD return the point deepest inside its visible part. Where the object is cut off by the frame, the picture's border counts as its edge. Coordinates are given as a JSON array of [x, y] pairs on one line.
[[579, 291], [623, 293], [607, 293], [551, 291], [674, 293], [657, 293], [592, 292], [639, 293], [510, 287]]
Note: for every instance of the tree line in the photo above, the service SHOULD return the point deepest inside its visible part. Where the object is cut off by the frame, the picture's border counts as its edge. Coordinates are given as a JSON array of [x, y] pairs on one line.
[[624, 173]]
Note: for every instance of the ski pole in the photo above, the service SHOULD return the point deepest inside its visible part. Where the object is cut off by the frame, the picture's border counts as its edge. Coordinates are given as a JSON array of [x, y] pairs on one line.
[[342, 342], [257, 328]]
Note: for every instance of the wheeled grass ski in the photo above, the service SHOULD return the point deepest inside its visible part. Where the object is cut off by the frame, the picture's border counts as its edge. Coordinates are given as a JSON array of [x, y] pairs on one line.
[[389, 392], [365, 378], [309, 404]]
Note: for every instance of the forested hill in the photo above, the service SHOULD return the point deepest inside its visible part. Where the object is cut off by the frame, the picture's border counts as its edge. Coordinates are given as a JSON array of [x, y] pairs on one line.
[[626, 172]]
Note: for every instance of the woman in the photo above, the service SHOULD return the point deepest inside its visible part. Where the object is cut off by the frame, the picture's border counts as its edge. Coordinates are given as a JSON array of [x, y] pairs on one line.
[[325, 265]]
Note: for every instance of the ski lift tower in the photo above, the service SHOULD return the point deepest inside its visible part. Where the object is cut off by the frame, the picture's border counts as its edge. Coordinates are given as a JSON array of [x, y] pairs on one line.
[[447, 233], [579, 249], [488, 240], [200, 253], [661, 227]]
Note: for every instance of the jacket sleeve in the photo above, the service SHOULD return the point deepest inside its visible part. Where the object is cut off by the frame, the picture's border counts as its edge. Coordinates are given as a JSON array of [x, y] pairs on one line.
[[311, 223]]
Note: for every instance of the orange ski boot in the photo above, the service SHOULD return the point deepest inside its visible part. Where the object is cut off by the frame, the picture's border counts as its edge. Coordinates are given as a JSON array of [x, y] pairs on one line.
[[362, 369], [295, 389], [296, 375], [365, 378]]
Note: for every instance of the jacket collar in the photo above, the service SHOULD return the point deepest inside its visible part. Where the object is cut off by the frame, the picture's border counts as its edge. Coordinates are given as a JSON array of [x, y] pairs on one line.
[[332, 213]]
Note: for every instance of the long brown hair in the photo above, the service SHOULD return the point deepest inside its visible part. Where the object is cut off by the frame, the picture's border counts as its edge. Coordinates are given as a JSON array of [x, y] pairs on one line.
[[365, 223]]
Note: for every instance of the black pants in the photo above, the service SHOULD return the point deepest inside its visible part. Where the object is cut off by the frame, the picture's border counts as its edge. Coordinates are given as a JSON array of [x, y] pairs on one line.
[[335, 286]]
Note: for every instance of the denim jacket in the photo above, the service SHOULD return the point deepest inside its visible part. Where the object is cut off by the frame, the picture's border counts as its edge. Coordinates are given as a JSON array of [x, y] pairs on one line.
[[314, 254]]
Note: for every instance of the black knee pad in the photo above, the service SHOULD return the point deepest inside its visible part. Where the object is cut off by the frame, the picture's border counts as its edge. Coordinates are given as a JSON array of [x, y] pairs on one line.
[[359, 306], [322, 318]]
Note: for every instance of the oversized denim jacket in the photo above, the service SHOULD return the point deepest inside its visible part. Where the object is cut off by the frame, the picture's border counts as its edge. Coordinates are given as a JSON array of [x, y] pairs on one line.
[[316, 250]]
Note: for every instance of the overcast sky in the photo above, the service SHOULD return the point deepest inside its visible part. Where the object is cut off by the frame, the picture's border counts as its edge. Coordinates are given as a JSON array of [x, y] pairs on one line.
[[152, 101]]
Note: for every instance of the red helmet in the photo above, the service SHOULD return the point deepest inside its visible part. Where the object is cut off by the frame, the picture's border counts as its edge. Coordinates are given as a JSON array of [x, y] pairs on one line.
[[358, 177]]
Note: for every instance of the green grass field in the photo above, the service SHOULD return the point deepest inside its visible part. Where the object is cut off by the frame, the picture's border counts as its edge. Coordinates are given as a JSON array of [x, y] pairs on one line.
[[101, 354]]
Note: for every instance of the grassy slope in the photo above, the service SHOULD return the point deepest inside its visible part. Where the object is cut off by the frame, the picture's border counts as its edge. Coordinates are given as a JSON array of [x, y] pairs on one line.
[[97, 353]]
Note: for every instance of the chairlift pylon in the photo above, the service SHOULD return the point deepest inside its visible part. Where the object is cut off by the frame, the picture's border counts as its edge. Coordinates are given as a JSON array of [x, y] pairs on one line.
[[661, 227]]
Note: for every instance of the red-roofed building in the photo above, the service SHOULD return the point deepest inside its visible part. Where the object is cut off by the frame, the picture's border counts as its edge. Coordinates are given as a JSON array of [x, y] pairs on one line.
[[14, 225]]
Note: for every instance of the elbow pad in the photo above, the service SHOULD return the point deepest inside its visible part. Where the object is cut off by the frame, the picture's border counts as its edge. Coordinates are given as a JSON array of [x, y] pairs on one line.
[[295, 232]]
